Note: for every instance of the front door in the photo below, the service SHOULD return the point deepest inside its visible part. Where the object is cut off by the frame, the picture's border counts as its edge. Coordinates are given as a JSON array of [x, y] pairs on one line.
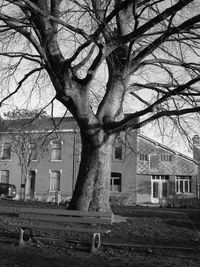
[[159, 188]]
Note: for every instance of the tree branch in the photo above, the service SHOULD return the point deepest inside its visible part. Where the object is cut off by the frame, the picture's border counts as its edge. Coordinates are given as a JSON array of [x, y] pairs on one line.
[[147, 26], [20, 84], [129, 121], [38, 10]]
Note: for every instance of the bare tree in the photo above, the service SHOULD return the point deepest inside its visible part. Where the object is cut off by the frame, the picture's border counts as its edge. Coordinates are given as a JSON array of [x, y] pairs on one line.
[[149, 48], [28, 143]]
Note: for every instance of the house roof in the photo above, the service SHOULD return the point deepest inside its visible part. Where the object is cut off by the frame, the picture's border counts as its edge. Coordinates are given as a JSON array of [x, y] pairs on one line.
[[177, 164], [62, 124], [40, 124], [170, 150]]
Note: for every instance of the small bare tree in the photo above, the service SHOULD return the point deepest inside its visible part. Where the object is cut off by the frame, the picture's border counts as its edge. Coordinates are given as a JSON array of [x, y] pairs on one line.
[[27, 142], [149, 49]]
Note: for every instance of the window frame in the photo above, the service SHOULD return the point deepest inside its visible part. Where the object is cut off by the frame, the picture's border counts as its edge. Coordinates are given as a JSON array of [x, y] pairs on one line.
[[182, 182], [7, 176], [164, 157], [153, 161], [33, 151], [143, 157], [115, 176], [52, 187], [5, 147], [118, 150], [55, 149]]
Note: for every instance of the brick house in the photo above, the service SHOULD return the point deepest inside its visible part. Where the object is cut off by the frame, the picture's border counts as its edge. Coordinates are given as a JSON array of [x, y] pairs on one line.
[[142, 170], [163, 172], [56, 169], [52, 171]]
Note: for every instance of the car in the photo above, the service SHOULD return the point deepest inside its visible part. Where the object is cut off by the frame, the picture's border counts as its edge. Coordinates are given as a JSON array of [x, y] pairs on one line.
[[7, 190]]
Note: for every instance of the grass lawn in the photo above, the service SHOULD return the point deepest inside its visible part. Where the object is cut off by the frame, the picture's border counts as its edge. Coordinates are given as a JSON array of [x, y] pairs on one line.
[[139, 237]]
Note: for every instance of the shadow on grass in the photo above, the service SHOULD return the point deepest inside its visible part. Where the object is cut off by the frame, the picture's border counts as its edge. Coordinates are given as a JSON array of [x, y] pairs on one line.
[[130, 211], [23, 257], [180, 224]]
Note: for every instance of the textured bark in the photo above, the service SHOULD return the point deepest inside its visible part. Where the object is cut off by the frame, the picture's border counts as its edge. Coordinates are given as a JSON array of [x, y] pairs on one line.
[[93, 181]]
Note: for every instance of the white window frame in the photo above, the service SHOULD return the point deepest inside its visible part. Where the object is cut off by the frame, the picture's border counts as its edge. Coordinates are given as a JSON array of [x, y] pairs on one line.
[[53, 149], [160, 180], [52, 187], [115, 176], [184, 180]]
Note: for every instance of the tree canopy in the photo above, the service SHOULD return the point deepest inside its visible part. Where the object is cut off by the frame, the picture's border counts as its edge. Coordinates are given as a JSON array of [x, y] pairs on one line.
[[152, 46]]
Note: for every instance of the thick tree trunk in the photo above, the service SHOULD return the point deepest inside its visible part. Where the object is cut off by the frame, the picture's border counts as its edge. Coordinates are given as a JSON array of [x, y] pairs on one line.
[[93, 181]]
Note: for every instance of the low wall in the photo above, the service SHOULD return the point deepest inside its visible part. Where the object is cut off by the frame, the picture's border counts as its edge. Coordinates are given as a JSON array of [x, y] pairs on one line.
[[181, 203], [122, 199]]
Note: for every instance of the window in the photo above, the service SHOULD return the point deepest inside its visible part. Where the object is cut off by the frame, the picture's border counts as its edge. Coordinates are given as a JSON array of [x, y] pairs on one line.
[[6, 151], [56, 150], [33, 151], [115, 182], [5, 176], [118, 152], [55, 181], [153, 161], [166, 157], [160, 177], [183, 184], [160, 186], [143, 157]]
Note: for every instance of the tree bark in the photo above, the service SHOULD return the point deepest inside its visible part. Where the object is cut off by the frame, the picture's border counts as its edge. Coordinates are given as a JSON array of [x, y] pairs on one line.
[[93, 182]]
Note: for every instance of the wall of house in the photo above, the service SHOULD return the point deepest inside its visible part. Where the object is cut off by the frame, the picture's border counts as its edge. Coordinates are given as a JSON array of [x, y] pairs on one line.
[[43, 168], [178, 165], [150, 162], [127, 168], [64, 166], [143, 188], [196, 156], [12, 165], [68, 167], [135, 173]]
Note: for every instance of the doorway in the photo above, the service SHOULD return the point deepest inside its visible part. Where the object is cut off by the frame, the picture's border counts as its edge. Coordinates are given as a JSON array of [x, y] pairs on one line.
[[159, 188]]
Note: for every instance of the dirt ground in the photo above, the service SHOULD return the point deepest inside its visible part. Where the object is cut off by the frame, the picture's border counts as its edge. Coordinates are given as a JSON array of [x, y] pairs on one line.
[[140, 237]]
